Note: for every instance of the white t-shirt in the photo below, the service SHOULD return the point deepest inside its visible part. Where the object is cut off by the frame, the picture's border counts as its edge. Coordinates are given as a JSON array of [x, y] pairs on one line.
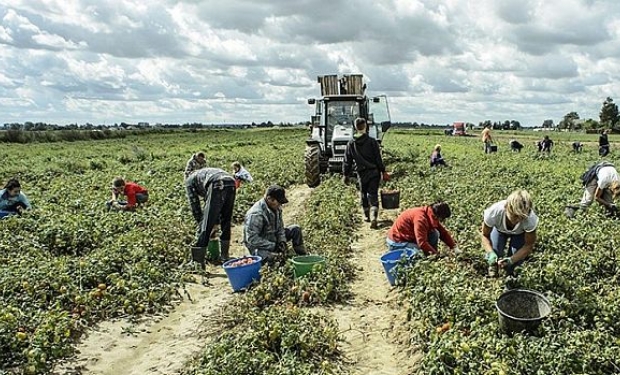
[[495, 217], [606, 176]]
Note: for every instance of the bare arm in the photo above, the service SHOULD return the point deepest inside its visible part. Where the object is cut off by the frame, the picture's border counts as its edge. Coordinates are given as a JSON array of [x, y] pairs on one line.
[[526, 250], [485, 235], [598, 195]]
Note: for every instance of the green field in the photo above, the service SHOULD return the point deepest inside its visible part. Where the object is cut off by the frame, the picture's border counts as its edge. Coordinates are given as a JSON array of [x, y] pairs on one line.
[[69, 263]]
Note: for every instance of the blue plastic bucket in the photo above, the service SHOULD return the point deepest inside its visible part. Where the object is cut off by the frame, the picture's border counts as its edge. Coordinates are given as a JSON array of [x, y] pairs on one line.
[[391, 260], [241, 277]]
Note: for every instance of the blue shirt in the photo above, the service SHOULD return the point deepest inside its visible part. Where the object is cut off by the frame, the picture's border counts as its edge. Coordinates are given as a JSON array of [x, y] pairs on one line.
[[8, 202]]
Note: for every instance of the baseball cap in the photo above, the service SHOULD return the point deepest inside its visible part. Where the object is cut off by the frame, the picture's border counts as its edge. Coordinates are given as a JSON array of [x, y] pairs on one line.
[[277, 192]]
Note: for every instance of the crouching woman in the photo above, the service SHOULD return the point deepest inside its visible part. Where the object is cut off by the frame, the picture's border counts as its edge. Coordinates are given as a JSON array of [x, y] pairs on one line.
[[511, 221], [12, 200]]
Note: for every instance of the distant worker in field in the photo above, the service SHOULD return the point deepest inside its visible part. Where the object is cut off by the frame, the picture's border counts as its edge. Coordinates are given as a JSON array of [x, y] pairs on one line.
[[601, 183], [603, 143], [241, 174], [196, 162], [487, 139], [515, 146], [12, 200], [134, 193], [217, 188], [545, 145], [420, 229], [577, 147], [364, 151], [264, 233], [436, 158], [511, 221]]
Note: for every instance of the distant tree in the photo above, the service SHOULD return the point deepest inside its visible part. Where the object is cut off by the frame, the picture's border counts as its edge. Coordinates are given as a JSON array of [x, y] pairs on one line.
[[609, 113], [591, 124], [548, 124], [515, 125], [569, 121]]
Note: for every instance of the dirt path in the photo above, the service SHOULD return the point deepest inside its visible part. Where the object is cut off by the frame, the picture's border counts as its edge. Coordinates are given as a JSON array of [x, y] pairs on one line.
[[370, 321], [164, 344]]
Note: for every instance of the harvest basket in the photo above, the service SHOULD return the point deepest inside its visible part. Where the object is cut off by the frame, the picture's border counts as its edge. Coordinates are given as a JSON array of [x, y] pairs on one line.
[[522, 310], [390, 199]]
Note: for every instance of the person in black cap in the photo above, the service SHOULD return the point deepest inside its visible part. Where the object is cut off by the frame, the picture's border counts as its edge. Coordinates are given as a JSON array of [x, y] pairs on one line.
[[264, 233], [217, 187]]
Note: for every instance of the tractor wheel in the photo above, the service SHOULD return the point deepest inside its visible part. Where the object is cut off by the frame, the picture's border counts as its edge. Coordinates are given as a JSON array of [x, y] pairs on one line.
[[312, 159]]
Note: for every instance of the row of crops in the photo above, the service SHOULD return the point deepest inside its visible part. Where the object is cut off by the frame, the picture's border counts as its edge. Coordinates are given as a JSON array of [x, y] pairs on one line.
[[69, 263], [450, 300]]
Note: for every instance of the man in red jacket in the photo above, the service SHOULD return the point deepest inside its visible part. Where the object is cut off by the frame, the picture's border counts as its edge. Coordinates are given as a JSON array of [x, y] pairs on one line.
[[135, 194], [420, 228]]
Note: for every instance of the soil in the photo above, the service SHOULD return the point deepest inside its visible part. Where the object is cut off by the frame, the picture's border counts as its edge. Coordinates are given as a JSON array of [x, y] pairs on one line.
[[371, 323]]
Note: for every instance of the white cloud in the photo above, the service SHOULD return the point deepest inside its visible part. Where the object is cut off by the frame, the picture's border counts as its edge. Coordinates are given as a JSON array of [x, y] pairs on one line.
[[241, 60]]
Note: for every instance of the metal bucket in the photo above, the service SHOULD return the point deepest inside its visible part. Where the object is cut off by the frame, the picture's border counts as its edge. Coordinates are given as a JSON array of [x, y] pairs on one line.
[[522, 310]]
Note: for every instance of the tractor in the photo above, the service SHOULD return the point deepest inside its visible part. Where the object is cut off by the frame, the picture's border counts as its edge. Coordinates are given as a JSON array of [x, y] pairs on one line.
[[333, 124]]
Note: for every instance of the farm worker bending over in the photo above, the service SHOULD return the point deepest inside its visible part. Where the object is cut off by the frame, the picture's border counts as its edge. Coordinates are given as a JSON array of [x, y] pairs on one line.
[[264, 233], [365, 152], [515, 146], [436, 158], [545, 145], [12, 200], [134, 193], [420, 229], [512, 219], [487, 139], [217, 187], [196, 162], [601, 183], [241, 174]]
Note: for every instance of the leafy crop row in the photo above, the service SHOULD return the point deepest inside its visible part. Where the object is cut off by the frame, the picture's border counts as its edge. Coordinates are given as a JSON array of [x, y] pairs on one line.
[[450, 300], [68, 263]]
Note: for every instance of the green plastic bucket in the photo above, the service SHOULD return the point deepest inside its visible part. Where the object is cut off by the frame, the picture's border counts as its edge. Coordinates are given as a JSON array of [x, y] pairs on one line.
[[213, 250], [306, 263]]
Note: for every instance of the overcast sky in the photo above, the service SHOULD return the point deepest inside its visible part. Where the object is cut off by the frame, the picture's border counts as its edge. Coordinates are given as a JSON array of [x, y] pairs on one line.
[[237, 61]]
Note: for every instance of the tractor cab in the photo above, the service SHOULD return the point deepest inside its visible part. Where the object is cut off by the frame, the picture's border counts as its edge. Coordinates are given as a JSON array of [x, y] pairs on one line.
[[333, 124]]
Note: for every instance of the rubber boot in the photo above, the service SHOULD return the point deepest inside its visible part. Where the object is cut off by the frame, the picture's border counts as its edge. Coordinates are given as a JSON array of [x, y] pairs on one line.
[[224, 251], [374, 213], [367, 214]]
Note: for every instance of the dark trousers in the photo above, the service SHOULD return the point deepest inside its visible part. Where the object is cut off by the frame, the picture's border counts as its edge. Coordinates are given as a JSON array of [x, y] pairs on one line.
[[218, 209], [369, 188], [603, 150]]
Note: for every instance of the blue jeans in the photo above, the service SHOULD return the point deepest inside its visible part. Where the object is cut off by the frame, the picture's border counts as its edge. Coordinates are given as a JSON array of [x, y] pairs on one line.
[[433, 238], [499, 240]]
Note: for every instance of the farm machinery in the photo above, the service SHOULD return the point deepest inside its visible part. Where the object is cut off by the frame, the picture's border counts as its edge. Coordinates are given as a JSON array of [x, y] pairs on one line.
[[333, 124]]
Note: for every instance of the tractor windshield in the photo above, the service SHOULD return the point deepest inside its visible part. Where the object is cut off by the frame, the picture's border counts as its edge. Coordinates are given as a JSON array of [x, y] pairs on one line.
[[342, 113]]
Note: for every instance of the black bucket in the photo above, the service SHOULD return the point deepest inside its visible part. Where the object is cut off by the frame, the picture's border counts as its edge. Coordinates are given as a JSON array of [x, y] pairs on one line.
[[390, 200], [522, 310]]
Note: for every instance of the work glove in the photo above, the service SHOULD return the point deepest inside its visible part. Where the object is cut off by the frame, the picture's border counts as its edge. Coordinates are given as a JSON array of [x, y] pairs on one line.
[[491, 258], [612, 208], [345, 180], [385, 176], [456, 250], [505, 262]]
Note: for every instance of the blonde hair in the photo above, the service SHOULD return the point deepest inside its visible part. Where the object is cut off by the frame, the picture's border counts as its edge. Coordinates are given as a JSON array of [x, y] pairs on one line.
[[615, 188], [519, 205], [437, 147]]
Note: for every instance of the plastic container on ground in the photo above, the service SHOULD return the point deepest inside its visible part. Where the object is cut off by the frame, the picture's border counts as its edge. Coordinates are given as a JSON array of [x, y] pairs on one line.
[[240, 277], [307, 263], [522, 310], [391, 259], [213, 250]]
